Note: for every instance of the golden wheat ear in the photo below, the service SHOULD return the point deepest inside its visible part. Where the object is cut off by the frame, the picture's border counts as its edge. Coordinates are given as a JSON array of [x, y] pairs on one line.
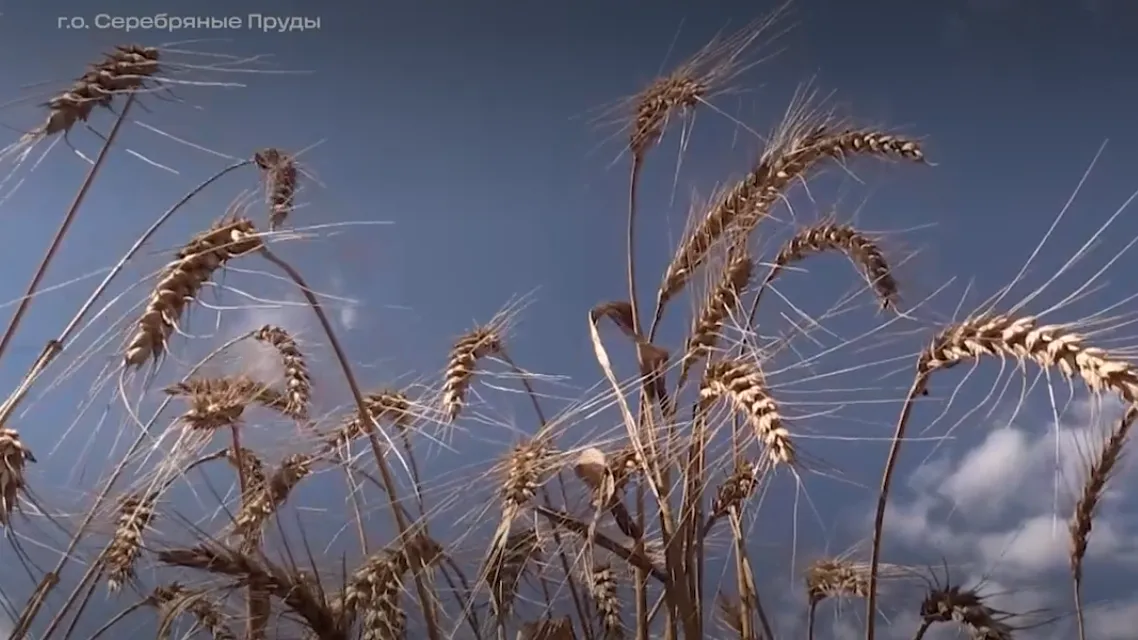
[[122, 70], [280, 175]]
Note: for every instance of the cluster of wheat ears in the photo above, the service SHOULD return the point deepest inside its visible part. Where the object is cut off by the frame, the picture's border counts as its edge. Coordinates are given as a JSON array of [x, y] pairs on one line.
[[628, 558]]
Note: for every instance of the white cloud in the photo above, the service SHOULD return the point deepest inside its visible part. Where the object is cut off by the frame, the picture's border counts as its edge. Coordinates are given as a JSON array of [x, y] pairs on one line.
[[1114, 622]]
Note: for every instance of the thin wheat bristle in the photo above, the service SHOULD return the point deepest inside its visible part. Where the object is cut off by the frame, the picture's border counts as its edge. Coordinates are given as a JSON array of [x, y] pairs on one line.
[[180, 282], [280, 183], [507, 567], [462, 365], [835, 578], [735, 490], [134, 516], [374, 589], [207, 613], [859, 248], [14, 456], [743, 385], [123, 70], [722, 299], [1097, 476], [298, 386], [1024, 339], [749, 201], [217, 403], [967, 608], [273, 493], [603, 589]]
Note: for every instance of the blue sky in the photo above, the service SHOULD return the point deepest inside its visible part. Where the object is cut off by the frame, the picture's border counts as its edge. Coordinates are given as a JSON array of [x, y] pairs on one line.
[[470, 128]]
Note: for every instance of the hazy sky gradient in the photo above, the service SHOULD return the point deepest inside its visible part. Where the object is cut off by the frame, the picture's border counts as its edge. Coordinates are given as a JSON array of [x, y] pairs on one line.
[[472, 128]]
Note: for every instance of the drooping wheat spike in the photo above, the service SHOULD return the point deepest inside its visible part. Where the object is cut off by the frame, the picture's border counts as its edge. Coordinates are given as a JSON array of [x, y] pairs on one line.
[[748, 201], [217, 403], [462, 364], [375, 588], [858, 247], [1083, 518], [182, 279], [836, 578], [123, 70], [603, 589], [14, 456], [134, 516], [1024, 339], [388, 404], [298, 387], [261, 505], [966, 608], [175, 597], [719, 304], [743, 385], [735, 490], [547, 629], [280, 183], [505, 570]]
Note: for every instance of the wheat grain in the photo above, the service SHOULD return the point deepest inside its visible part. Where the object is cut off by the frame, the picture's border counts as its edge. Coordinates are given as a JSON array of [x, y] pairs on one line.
[[209, 615], [506, 569], [265, 501], [743, 385], [1024, 339], [722, 299], [135, 514], [749, 200], [297, 384], [181, 280], [858, 247], [280, 183], [123, 70], [14, 456], [374, 589], [462, 364]]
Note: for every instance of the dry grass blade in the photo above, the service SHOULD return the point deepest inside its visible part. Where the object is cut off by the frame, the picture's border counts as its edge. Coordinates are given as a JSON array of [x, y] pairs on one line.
[[597, 473], [280, 183], [134, 516], [855, 245], [742, 384], [182, 280], [619, 312], [14, 456], [123, 70], [374, 590], [298, 387]]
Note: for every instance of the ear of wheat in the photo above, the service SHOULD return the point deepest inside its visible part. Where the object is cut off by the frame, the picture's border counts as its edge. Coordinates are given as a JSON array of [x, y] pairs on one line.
[[280, 183], [742, 384], [858, 247], [123, 70], [135, 514], [182, 279], [298, 387], [14, 456], [375, 588], [462, 364]]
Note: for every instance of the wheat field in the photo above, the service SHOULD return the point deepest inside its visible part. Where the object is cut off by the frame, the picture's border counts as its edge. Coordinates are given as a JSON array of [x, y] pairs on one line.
[[261, 486]]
